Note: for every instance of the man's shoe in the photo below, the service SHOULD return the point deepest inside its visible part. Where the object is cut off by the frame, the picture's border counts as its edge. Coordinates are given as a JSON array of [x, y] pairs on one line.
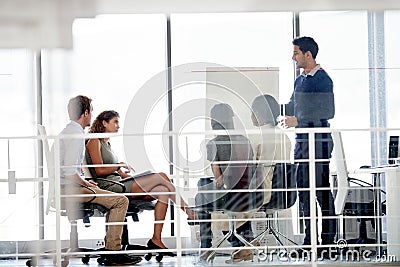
[[119, 259]]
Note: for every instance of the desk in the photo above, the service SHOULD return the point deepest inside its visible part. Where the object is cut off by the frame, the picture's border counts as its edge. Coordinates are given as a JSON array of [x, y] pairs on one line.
[[392, 178]]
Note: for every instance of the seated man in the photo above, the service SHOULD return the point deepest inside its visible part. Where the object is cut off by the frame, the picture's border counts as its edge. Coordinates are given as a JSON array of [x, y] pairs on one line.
[[224, 148], [72, 183]]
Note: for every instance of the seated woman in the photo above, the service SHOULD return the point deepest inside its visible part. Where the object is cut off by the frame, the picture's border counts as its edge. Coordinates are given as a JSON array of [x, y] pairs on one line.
[[272, 146], [98, 151]]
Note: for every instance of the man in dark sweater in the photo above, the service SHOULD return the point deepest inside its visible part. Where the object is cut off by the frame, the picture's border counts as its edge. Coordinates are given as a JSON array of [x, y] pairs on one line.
[[312, 105]]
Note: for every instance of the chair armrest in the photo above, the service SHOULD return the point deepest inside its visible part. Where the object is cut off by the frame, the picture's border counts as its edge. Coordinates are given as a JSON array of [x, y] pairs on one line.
[[113, 182]]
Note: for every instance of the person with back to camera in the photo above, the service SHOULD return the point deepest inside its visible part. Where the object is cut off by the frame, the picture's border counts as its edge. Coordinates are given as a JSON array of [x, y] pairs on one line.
[[311, 106], [273, 147], [223, 148], [72, 183], [99, 151]]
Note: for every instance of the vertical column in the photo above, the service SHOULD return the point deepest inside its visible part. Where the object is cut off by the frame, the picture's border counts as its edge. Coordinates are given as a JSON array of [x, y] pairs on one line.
[[170, 125], [377, 86], [39, 120], [313, 197], [296, 33], [57, 198]]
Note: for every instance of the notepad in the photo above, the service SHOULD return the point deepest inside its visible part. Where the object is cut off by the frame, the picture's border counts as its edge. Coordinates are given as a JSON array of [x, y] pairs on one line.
[[135, 176]]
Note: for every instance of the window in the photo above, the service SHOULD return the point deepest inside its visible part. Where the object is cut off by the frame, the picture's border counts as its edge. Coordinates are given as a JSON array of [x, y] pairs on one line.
[[18, 155], [344, 55], [233, 40], [112, 57], [392, 39]]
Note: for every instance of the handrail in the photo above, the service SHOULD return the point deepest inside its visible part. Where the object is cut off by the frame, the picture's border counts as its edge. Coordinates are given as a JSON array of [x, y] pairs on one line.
[[207, 132]]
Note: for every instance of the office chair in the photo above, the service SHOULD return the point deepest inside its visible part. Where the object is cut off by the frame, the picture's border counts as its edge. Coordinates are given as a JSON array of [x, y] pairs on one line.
[[283, 197], [233, 203], [353, 200], [79, 211], [361, 203], [83, 211], [136, 206]]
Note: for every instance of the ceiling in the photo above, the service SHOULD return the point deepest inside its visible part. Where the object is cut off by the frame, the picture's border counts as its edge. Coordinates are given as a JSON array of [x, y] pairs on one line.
[[39, 24]]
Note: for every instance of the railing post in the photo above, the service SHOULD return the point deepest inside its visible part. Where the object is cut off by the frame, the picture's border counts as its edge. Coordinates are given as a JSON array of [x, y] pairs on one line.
[[57, 194], [313, 206]]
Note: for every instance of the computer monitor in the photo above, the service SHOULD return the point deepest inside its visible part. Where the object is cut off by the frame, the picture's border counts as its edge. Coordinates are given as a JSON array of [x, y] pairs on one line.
[[393, 149]]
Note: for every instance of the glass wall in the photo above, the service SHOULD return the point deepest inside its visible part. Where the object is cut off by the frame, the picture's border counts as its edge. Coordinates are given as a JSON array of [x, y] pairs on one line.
[[235, 40], [18, 156], [392, 58], [344, 55], [112, 57]]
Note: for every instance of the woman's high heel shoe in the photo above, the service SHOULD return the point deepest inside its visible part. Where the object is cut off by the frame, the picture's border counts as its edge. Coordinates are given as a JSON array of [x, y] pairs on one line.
[[151, 245]]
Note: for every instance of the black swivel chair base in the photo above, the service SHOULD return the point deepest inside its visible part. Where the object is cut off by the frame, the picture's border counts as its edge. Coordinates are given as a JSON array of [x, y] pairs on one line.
[[362, 238], [232, 231], [74, 247], [271, 229], [136, 206], [362, 235]]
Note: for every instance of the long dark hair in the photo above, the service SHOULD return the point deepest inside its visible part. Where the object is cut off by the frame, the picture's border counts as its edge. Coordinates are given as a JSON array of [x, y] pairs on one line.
[[265, 110], [97, 125]]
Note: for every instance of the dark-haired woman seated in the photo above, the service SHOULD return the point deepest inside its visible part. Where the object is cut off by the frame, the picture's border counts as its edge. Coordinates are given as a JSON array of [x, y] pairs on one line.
[[98, 151]]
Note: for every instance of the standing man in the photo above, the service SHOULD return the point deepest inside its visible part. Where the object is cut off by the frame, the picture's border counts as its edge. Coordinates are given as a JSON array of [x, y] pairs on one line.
[[72, 183], [311, 106]]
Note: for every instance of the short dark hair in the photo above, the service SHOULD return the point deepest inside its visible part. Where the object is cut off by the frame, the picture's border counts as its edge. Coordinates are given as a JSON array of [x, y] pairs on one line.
[[221, 117], [306, 44], [265, 109], [77, 106]]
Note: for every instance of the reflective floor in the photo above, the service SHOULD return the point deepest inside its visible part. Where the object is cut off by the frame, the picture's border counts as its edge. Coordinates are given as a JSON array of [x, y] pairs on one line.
[[218, 261]]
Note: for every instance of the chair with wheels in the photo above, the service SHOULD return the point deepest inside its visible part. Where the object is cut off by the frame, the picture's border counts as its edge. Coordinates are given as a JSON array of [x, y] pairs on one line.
[[136, 206], [250, 176], [77, 212]]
